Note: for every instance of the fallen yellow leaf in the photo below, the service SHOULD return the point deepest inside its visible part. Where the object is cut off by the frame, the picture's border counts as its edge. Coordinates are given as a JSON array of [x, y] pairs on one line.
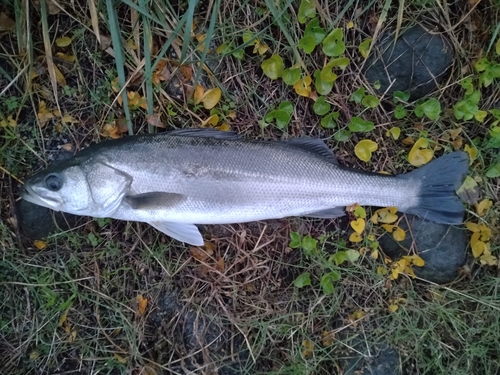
[[355, 237], [40, 245], [385, 215], [211, 121], [420, 154], [358, 225], [65, 57], [9, 121], [198, 94], [483, 206], [211, 97], [303, 86], [64, 41], [327, 338], [59, 76], [394, 132], [364, 149], [472, 151], [308, 348], [399, 234]]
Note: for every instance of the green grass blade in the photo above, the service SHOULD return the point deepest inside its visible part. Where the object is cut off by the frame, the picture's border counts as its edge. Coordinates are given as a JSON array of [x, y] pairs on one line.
[[114, 28]]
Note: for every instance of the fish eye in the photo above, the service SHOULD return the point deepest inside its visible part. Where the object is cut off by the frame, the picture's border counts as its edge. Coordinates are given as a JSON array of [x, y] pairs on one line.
[[53, 182]]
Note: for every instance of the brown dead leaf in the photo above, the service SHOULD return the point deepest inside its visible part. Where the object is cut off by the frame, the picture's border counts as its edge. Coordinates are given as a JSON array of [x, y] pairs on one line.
[[59, 76], [67, 146], [155, 120], [186, 72], [105, 41], [141, 304], [198, 253], [220, 264], [6, 24]]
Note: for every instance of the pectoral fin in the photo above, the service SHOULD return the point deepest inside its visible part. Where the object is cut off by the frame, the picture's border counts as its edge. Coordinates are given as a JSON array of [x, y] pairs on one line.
[[327, 214], [154, 200], [187, 233]]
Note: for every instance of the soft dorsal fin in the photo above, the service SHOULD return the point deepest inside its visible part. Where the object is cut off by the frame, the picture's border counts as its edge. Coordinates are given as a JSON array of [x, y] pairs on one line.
[[316, 146], [205, 133]]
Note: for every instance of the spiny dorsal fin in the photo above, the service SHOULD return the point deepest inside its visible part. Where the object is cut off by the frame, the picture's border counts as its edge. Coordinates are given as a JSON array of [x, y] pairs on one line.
[[316, 146]]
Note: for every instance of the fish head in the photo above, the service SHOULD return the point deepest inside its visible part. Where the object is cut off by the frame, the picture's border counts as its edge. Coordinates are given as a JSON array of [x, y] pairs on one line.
[[90, 190]]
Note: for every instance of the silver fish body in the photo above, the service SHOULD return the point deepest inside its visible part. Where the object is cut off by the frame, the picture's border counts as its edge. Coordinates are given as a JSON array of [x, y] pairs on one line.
[[177, 179]]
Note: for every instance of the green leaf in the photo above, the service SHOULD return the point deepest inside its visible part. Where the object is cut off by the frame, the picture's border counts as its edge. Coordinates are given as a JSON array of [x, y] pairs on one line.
[[320, 106], [302, 280], [291, 76], [493, 171], [339, 62], [295, 240], [282, 118], [326, 75], [333, 44], [352, 255], [495, 70], [327, 281], [467, 85], [482, 64], [431, 108], [401, 96], [307, 43], [497, 47], [357, 96], [377, 85], [273, 67], [309, 244], [315, 30], [465, 109], [370, 101], [323, 88], [326, 284], [339, 257], [239, 54], [342, 135], [399, 112], [364, 47], [328, 122], [247, 36], [357, 124], [306, 10], [287, 107]]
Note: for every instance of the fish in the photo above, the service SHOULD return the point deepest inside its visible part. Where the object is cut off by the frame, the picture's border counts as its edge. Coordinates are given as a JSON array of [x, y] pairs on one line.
[[175, 180]]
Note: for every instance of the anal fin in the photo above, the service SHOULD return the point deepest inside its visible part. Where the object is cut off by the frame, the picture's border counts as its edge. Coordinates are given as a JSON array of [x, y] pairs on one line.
[[328, 213]]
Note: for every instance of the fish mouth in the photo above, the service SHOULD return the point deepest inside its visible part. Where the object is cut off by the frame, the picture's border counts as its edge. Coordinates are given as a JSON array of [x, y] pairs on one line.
[[29, 195]]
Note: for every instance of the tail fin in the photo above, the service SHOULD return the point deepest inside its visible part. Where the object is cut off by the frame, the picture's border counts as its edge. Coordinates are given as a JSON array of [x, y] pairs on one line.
[[439, 180]]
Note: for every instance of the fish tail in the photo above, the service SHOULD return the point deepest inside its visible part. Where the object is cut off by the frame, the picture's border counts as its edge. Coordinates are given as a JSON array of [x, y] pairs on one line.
[[439, 180]]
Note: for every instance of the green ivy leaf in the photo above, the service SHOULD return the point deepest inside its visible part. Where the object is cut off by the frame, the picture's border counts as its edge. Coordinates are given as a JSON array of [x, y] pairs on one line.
[[306, 10], [342, 135], [309, 244], [339, 62], [333, 44], [370, 101], [467, 85], [327, 281], [282, 118], [328, 122], [291, 76], [431, 108], [273, 67], [302, 280], [295, 240], [352, 255], [399, 112], [357, 124], [364, 47], [493, 171], [482, 64], [401, 96], [307, 43], [338, 258], [320, 106], [323, 88], [357, 96], [315, 30], [287, 107]]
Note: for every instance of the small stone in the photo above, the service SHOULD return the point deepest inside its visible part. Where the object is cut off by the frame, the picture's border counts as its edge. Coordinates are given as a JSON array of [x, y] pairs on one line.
[[417, 62], [442, 247]]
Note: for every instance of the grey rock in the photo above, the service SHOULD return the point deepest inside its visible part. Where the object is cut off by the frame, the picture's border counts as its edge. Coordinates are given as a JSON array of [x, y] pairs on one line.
[[442, 247], [417, 62], [380, 359], [38, 222]]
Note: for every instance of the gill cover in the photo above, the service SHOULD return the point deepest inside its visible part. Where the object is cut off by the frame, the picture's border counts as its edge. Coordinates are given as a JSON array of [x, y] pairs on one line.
[[107, 187]]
